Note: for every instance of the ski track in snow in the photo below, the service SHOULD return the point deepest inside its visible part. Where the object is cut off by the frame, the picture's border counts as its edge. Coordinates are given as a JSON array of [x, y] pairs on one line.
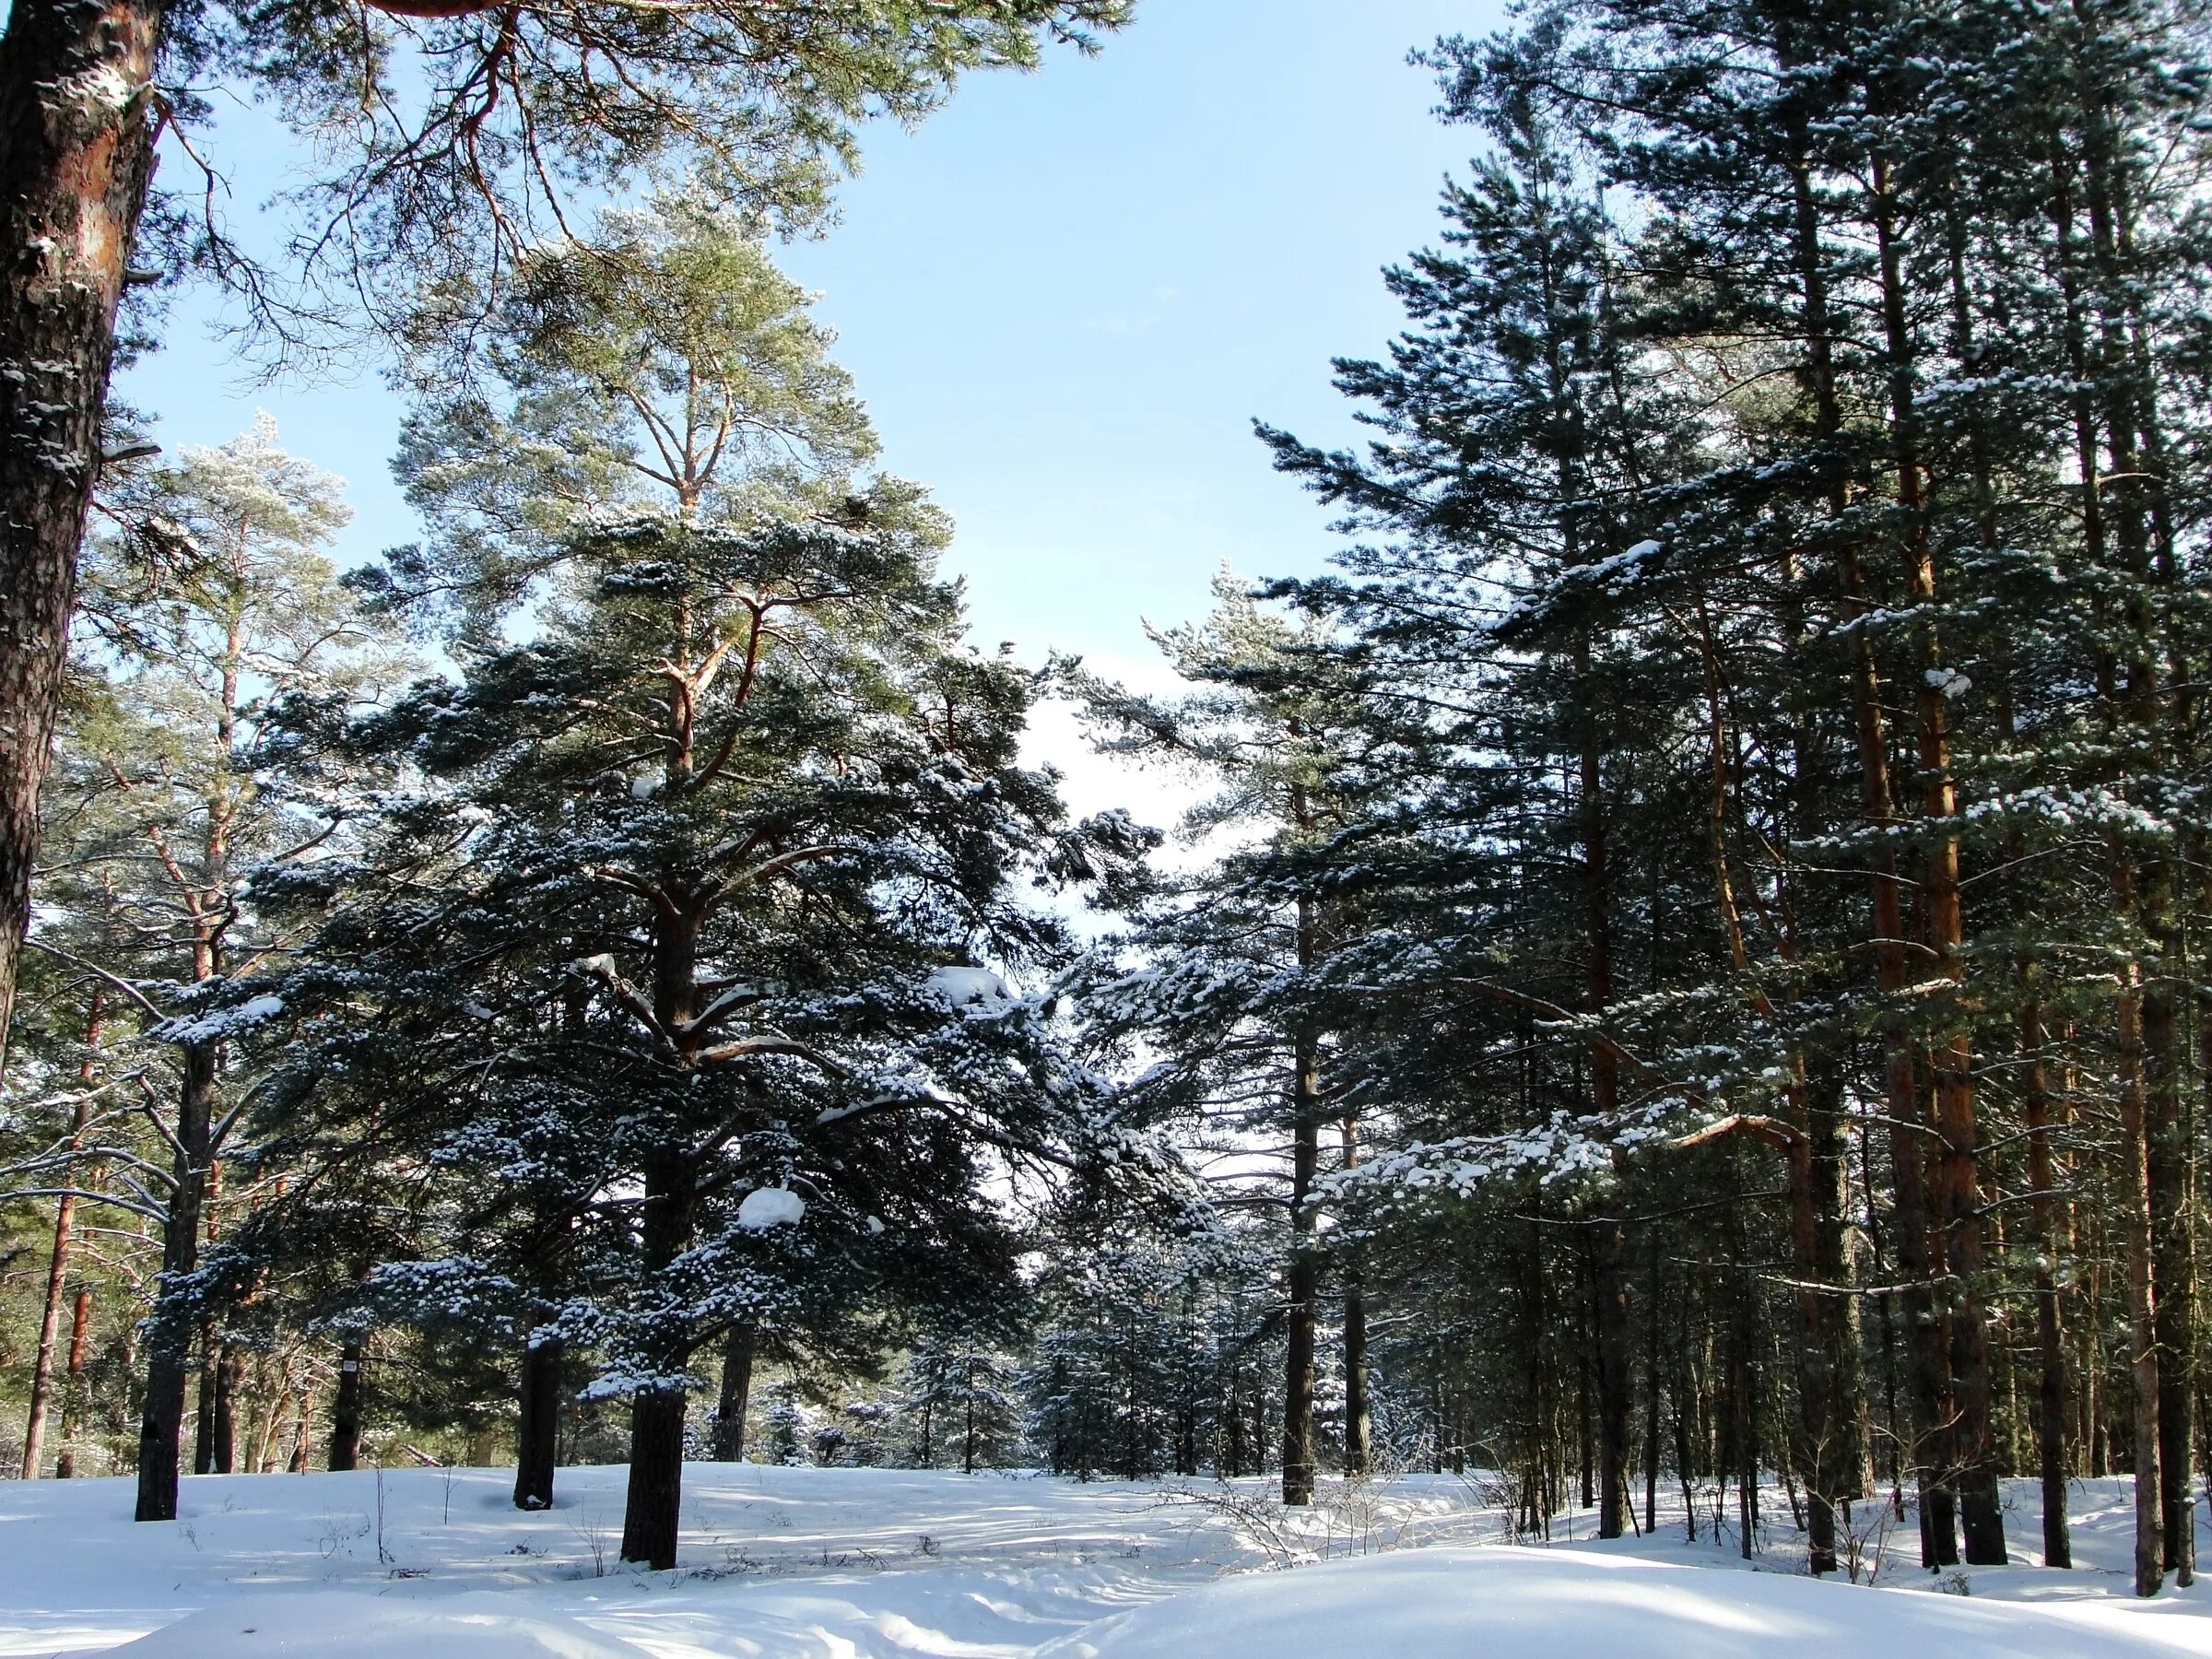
[[787, 1563]]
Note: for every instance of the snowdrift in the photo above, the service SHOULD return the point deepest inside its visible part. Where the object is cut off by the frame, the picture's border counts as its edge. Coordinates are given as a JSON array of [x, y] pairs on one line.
[[340, 1625], [1500, 1602]]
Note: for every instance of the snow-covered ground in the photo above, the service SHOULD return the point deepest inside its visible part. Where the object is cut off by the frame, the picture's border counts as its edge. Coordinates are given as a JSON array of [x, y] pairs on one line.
[[884, 1564]]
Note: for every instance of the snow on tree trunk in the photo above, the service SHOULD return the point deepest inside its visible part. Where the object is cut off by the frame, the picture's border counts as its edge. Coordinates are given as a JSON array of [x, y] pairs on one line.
[[76, 124]]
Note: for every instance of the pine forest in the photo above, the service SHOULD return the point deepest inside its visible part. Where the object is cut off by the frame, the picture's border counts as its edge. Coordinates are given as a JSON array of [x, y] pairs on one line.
[[1663, 987]]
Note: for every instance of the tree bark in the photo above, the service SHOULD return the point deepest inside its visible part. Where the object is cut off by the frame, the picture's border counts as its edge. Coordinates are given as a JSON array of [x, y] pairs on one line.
[[653, 1509], [537, 1435], [204, 1412], [736, 1390], [169, 1328], [2167, 1155], [1303, 1281], [57, 1267], [2142, 1316], [1357, 1413], [76, 127], [73, 1393], [346, 1410], [2050, 1335], [650, 1523]]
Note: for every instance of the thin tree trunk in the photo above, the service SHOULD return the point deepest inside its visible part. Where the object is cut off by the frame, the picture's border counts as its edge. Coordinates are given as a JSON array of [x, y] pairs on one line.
[[73, 1393], [1357, 1414], [2049, 1336], [229, 1370], [169, 1328], [346, 1410], [2142, 1316], [57, 1267], [1651, 1391], [1303, 1286]]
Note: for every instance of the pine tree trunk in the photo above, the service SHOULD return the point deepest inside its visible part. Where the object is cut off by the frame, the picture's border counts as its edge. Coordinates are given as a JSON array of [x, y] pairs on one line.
[[2142, 1315], [1357, 1414], [346, 1410], [50, 1321], [650, 1522], [737, 1390], [1651, 1394], [1830, 1453], [1610, 1280], [653, 1508], [1301, 1284], [169, 1328], [76, 149], [73, 1393], [2167, 1149], [537, 1434], [203, 1416], [2050, 1337], [57, 1267], [229, 1369]]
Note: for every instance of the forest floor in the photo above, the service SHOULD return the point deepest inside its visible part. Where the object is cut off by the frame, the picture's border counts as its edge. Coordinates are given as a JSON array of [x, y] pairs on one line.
[[787, 1563]]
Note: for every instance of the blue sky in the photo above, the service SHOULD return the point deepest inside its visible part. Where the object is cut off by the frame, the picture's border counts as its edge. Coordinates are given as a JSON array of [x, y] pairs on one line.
[[1065, 297]]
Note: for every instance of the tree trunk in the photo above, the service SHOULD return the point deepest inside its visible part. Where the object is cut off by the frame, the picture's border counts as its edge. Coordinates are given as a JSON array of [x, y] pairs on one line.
[[77, 128], [57, 1267], [229, 1371], [737, 1390], [2167, 1151], [1302, 1286], [652, 1514], [1651, 1391], [2049, 1336], [169, 1327], [1357, 1413], [73, 1393], [203, 1416], [2142, 1317], [650, 1518], [49, 1320], [1830, 1453], [537, 1434], [346, 1410]]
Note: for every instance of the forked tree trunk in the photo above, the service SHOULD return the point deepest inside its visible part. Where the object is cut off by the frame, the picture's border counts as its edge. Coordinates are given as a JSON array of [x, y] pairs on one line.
[[77, 126]]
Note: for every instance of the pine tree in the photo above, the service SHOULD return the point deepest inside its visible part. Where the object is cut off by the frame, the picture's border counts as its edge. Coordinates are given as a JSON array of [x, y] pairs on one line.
[[174, 799]]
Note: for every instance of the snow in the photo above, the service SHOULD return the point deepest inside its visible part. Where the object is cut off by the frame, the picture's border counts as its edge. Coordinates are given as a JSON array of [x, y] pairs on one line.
[[959, 986], [807, 1563], [349, 1625], [219, 1025], [771, 1206], [1536, 1604]]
